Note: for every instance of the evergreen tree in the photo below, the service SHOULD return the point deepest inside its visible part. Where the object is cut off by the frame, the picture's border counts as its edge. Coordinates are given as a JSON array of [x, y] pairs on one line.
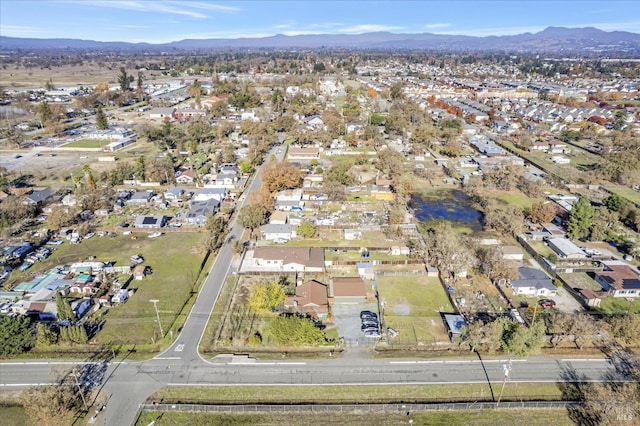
[[580, 218], [64, 308], [101, 119]]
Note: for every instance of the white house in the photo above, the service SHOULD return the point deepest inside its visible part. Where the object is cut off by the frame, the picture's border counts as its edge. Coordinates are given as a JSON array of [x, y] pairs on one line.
[[352, 234], [277, 232], [559, 159], [533, 282]]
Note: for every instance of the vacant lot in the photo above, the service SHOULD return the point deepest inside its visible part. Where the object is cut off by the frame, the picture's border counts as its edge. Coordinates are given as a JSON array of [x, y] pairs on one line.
[[412, 307]]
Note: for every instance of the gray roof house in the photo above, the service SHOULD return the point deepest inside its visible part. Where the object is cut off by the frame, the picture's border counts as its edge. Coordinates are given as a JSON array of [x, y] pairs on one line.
[[38, 196], [273, 231], [141, 197], [566, 249], [173, 194], [200, 210], [533, 282]]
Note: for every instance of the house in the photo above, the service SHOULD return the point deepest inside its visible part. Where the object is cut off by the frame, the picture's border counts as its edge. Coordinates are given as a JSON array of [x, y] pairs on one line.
[[162, 113], [187, 177], [352, 234], [559, 159], [38, 196], [272, 232], [173, 194], [533, 282], [294, 259], [150, 222], [141, 197], [348, 290], [199, 211], [310, 299], [566, 249], [619, 279], [365, 270], [512, 253], [81, 307], [207, 194], [295, 153]]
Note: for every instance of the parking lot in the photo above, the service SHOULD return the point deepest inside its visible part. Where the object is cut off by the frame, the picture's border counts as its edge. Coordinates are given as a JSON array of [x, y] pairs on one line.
[[347, 320], [566, 302]]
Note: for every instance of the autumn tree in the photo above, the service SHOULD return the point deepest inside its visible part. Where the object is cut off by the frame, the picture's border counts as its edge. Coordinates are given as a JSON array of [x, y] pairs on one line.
[[53, 405], [253, 216], [280, 175], [495, 265], [542, 212], [265, 296], [625, 328], [508, 220], [216, 232], [484, 338], [447, 250]]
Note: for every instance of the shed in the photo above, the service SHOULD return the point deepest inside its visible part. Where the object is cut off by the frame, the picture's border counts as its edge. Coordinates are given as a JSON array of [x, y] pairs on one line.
[[348, 290], [455, 323]]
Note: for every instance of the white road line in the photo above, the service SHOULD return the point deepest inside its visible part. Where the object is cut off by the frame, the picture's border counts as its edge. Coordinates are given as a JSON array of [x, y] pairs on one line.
[[179, 348], [168, 357], [585, 360]]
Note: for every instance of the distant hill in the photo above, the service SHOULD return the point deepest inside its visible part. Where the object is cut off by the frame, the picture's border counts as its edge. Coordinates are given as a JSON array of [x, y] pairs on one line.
[[552, 39]]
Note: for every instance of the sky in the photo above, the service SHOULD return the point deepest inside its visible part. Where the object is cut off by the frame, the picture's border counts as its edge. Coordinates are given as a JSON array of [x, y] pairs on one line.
[[162, 21]]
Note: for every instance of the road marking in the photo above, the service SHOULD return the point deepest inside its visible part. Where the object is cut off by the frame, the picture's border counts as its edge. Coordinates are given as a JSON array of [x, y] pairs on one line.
[[167, 357], [586, 359], [25, 384], [179, 348], [52, 363]]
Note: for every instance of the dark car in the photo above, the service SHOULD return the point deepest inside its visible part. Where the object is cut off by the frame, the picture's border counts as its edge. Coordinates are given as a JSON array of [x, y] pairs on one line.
[[547, 303], [123, 225], [368, 314], [369, 327]]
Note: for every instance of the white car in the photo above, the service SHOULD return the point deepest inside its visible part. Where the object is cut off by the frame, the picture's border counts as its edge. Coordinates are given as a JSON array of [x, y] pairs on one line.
[[155, 234]]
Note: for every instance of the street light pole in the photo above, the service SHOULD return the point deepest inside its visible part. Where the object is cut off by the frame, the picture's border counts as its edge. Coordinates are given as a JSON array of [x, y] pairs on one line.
[[155, 305], [506, 369]]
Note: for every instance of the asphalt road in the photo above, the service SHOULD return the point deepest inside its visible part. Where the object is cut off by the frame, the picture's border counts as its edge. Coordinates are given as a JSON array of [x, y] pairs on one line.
[[127, 384]]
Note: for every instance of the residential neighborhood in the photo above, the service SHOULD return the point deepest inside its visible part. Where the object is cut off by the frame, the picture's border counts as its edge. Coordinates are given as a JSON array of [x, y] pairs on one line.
[[344, 205]]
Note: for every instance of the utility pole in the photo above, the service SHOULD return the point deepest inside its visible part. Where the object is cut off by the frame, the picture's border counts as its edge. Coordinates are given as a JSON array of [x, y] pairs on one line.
[[155, 305], [506, 369]]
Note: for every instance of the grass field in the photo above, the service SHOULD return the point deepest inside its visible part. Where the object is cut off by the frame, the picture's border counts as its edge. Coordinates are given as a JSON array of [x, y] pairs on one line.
[[424, 299], [531, 417], [14, 415], [628, 193], [620, 305], [86, 143], [333, 394]]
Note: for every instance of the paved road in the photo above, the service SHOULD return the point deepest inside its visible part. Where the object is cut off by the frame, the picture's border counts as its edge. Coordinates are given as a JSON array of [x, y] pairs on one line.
[[127, 384]]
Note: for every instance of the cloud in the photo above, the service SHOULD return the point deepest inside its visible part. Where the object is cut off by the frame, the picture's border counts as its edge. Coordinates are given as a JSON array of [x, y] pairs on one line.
[[206, 6], [20, 31], [168, 7], [436, 26], [368, 28]]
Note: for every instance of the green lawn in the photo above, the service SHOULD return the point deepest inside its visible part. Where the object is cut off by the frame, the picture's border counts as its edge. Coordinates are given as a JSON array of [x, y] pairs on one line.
[[425, 299], [332, 394], [14, 415], [531, 417], [517, 198], [628, 193], [620, 305], [87, 143]]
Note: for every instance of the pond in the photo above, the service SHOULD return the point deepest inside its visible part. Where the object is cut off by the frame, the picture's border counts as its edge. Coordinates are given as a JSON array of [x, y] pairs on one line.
[[454, 206]]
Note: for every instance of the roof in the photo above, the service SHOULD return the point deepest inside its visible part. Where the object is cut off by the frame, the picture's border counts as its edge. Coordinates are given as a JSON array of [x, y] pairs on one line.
[[38, 196], [308, 256], [277, 228], [620, 277], [348, 287], [455, 322], [312, 292], [566, 247]]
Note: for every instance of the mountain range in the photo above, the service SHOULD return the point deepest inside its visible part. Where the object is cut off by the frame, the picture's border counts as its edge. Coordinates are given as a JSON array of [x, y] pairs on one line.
[[551, 39]]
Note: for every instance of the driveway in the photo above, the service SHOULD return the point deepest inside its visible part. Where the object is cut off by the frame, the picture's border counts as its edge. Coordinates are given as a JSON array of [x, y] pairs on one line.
[[565, 302], [347, 320]]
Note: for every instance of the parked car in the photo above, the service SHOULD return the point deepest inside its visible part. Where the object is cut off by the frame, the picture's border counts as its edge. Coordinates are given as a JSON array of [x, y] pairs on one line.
[[547, 303], [370, 322], [137, 259], [155, 234], [123, 225], [372, 334], [368, 314], [369, 327]]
